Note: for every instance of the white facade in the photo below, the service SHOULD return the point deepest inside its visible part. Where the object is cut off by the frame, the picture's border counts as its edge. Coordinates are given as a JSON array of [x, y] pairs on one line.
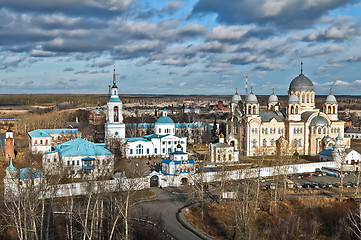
[[222, 152]]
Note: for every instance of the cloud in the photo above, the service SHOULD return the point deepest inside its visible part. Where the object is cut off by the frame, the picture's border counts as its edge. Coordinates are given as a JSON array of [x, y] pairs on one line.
[[41, 53], [102, 64], [182, 84], [82, 72], [68, 69], [282, 13]]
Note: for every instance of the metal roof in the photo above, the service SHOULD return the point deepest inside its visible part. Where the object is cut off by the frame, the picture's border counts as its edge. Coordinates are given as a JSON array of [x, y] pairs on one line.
[[48, 132], [267, 116]]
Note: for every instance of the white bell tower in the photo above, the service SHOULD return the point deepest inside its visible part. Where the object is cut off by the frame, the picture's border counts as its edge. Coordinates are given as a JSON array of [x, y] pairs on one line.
[[114, 127]]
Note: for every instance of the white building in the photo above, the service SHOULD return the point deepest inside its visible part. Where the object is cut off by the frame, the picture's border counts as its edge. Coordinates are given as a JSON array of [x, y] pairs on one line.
[[114, 127], [222, 152], [41, 140], [79, 158], [353, 133], [163, 142]]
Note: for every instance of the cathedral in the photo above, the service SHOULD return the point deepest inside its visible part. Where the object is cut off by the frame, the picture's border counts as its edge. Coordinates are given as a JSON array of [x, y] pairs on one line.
[[297, 128]]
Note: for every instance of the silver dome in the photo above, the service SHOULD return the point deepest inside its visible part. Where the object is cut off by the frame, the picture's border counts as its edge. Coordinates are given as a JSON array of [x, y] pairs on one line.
[[327, 139], [293, 99], [251, 98], [236, 98], [319, 121], [331, 99], [273, 98], [301, 83], [230, 137]]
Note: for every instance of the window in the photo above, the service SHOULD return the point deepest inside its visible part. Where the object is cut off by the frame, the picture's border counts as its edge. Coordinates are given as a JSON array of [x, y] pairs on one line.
[[160, 130], [155, 150], [46, 141], [163, 150], [319, 130], [324, 130], [175, 142], [300, 142], [73, 163], [131, 151], [68, 163], [314, 130], [169, 142], [262, 130], [139, 149], [295, 143], [254, 143], [294, 130], [272, 142], [265, 131], [264, 142], [41, 141], [175, 149], [77, 162], [36, 142], [163, 142], [147, 150], [331, 130], [301, 130], [169, 150]]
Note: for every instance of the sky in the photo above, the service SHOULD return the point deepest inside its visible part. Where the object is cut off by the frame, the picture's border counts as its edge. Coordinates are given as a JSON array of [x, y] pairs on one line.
[[178, 47]]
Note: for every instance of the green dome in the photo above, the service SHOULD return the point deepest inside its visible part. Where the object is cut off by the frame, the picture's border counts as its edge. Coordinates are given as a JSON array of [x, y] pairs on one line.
[[164, 120]]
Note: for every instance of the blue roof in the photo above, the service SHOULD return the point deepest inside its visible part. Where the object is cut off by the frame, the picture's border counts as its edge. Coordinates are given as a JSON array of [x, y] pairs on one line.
[[88, 159], [25, 173], [164, 120], [190, 125], [167, 161], [114, 123], [327, 151], [114, 99], [80, 147], [155, 136], [136, 140], [47, 132]]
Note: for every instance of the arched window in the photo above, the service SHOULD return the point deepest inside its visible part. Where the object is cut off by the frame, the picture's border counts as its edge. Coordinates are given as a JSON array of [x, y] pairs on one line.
[[292, 110], [319, 130], [254, 110], [300, 142], [249, 110], [116, 114], [328, 109], [324, 130], [334, 110], [338, 130], [314, 130], [303, 98], [331, 130], [264, 142], [272, 142], [295, 142], [296, 110], [254, 142], [308, 98]]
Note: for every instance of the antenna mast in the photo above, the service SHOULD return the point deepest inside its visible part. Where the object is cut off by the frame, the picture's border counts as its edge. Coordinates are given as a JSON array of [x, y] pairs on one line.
[[246, 85]]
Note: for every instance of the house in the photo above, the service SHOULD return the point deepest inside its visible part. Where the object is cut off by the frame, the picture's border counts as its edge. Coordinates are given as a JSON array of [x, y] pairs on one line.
[[222, 152], [41, 140], [79, 158]]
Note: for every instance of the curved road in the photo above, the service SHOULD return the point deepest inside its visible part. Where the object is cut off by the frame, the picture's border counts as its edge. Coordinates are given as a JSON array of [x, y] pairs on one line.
[[166, 205]]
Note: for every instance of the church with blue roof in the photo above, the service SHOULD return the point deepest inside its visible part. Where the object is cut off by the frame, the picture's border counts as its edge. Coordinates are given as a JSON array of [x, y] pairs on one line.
[[79, 158]]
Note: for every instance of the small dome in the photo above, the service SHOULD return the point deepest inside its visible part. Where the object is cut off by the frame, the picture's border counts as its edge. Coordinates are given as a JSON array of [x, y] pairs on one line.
[[319, 121], [164, 120], [293, 99], [251, 98], [301, 83], [236, 98], [230, 137], [331, 99], [273, 98], [327, 139]]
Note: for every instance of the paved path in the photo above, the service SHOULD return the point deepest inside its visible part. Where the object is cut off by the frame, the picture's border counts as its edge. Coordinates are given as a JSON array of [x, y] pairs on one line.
[[167, 204]]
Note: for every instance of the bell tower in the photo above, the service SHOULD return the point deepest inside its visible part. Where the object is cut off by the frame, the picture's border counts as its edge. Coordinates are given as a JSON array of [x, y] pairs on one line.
[[114, 127]]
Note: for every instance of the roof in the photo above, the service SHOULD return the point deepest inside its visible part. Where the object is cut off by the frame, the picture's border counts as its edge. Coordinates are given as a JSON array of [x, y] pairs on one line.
[[327, 151], [236, 98], [267, 116], [114, 99], [177, 152], [301, 83], [48, 132], [353, 130], [221, 145], [150, 136], [168, 161], [306, 115], [293, 99], [164, 120], [25, 173], [80, 147], [251, 98], [331, 99], [319, 121], [273, 98], [136, 140]]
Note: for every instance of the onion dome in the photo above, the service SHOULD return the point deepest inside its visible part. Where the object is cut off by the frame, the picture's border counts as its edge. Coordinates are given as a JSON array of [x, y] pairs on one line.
[[331, 99], [339, 135], [293, 99], [251, 98], [319, 121], [236, 98], [273, 98], [301, 83]]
